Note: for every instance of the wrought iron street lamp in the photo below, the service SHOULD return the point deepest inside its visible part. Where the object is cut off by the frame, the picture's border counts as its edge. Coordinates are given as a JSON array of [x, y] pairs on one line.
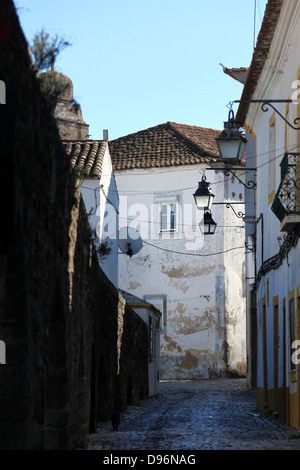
[[231, 142], [209, 225], [203, 195]]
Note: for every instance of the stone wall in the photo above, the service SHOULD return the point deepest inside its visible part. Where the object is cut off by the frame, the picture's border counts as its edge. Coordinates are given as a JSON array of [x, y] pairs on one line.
[[71, 344]]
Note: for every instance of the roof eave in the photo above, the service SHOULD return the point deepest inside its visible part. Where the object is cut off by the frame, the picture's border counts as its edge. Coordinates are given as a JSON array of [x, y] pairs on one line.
[[260, 55]]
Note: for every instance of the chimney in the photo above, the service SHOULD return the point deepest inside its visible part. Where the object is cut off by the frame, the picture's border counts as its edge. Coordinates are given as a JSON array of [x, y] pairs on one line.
[[105, 134]]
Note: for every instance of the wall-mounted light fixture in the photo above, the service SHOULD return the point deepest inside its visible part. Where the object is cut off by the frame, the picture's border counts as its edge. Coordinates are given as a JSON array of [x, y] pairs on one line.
[[208, 226], [265, 107], [231, 171], [203, 195], [229, 205], [204, 198], [231, 142]]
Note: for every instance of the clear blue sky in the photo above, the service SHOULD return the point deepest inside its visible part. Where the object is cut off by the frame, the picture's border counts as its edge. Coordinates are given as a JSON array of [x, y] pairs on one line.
[[139, 63]]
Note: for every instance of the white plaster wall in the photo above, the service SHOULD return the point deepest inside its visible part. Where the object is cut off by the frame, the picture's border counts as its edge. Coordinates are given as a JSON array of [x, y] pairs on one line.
[[204, 293], [281, 282], [277, 81], [153, 366], [102, 205]]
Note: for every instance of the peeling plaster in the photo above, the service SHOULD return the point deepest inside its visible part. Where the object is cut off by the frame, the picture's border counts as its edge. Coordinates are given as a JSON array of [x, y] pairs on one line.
[[204, 308], [189, 361], [191, 324], [186, 270], [171, 345], [232, 318], [134, 285]]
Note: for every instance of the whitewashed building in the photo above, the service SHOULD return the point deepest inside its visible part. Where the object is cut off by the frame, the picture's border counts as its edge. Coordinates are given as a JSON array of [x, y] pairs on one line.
[[91, 160], [195, 280], [152, 317], [274, 136]]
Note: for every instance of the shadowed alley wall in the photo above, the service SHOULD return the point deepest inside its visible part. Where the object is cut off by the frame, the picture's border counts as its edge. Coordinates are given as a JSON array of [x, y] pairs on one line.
[[64, 325]]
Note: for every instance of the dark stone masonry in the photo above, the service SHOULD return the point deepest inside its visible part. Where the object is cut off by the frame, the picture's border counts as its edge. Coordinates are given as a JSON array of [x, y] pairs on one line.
[[73, 348]]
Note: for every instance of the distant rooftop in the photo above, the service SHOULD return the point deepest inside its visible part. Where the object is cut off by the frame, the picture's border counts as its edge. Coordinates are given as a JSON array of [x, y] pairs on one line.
[[165, 145], [260, 55], [87, 155]]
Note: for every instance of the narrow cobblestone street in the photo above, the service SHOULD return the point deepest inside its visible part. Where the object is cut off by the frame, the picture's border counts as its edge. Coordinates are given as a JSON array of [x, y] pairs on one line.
[[196, 415]]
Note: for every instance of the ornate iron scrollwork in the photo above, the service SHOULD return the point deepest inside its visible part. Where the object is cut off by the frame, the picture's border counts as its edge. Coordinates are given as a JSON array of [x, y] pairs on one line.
[[287, 198], [239, 214], [227, 171], [249, 185], [264, 108], [229, 205]]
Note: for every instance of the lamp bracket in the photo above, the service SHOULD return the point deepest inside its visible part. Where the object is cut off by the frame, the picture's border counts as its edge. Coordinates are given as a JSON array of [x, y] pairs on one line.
[[264, 108], [249, 185], [229, 205]]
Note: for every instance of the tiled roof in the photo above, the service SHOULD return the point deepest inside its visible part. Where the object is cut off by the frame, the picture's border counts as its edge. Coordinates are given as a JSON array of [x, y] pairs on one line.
[[165, 145], [86, 155], [264, 40], [239, 73]]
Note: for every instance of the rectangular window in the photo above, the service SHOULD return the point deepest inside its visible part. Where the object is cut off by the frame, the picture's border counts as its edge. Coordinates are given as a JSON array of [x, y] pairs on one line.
[[153, 331], [286, 128], [272, 159], [167, 211], [298, 145], [292, 329], [264, 345], [151, 340], [276, 349], [159, 302], [168, 217]]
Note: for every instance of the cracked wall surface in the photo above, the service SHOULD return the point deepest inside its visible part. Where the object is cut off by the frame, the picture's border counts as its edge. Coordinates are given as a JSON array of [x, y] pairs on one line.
[[205, 331]]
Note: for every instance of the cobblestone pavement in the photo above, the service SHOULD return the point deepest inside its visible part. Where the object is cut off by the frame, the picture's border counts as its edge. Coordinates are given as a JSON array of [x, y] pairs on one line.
[[196, 415]]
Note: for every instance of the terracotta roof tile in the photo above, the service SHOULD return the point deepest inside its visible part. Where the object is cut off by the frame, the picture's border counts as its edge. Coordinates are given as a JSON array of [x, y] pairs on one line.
[[263, 44], [168, 144], [86, 155], [238, 73]]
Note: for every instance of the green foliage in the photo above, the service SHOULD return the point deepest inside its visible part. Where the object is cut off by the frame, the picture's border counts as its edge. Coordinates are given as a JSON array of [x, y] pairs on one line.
[[79, 175], [266, 53], [46, 49], [103, 249]]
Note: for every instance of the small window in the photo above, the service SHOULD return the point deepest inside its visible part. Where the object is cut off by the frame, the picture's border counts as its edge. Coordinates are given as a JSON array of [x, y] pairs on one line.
[[168, 217], [159, 302], [272, 158], [167, 212], [292, 329], [151, 340]]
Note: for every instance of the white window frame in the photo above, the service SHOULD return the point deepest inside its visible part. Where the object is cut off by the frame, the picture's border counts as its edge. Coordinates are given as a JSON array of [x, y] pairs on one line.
[[168, 202]]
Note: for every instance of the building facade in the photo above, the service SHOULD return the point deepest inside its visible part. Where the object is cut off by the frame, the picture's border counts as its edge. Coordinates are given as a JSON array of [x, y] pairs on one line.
[[274, 135], [91, 160], [195, 280], [152, 317]]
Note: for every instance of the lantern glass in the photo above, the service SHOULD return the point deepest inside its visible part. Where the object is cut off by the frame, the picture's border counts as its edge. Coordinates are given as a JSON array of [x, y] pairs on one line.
[[231, 149], [231, 142], [203, 195], [208, 225]]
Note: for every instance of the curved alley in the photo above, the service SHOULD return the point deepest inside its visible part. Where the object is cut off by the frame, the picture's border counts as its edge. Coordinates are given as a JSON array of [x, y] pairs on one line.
[[196, 415]]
